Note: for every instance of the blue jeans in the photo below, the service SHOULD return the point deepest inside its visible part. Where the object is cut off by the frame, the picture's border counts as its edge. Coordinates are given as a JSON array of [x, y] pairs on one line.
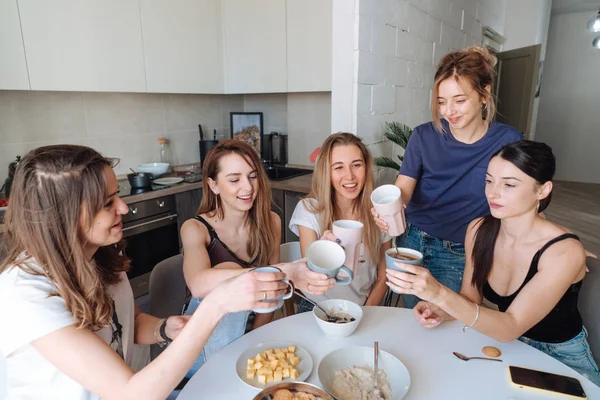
[[304, 306], [231, 327], [443, 258], [574, 353]]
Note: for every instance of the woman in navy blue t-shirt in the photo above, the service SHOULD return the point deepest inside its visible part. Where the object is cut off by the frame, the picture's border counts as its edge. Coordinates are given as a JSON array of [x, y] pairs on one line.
[[442, 178]]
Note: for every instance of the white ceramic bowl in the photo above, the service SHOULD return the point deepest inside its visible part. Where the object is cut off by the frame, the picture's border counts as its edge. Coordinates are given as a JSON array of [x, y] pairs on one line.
[[335, 305], [156, 168], [397, 374]]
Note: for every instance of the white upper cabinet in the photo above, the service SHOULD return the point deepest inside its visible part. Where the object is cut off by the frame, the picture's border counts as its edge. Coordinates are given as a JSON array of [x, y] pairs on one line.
[[254, 46], [309, 30], [13, 67], [91, 45], [182, 46]]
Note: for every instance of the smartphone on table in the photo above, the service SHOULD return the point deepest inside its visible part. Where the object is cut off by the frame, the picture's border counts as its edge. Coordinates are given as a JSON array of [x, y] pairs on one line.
[[530, 378]]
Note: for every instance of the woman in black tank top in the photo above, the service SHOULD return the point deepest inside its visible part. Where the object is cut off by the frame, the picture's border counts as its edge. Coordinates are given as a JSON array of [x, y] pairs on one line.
[[529, 267], [235, 231]]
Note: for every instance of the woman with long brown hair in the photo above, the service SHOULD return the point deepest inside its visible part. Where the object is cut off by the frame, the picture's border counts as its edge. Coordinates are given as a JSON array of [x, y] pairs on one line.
[[341, 187], [69, 319], [235, 230], [442, 176]]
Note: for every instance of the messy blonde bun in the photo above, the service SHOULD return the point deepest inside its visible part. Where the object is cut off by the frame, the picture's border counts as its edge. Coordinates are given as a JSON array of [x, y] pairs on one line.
[[473, 64]]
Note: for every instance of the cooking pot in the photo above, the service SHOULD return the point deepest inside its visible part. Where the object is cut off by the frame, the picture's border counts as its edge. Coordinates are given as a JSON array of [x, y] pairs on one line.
[[140, 180]]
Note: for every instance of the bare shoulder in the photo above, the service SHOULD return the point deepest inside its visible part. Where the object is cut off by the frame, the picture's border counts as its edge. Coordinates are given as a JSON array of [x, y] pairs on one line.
[[567, 253], [275, 218], [472, 229], [193, 231]]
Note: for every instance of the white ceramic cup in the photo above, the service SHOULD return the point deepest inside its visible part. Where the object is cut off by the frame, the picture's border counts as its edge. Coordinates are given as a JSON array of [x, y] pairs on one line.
[[387, 201], [350, 234]]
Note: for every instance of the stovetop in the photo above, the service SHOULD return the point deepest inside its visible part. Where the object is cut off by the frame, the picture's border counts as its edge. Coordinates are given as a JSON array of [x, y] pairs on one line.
[[125, 188]]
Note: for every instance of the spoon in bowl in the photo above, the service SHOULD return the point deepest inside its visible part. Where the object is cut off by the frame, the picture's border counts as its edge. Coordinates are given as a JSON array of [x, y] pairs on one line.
[[330, 318]]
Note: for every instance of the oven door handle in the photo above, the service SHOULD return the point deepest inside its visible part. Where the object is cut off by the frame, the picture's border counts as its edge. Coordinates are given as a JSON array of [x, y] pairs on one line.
[[170, 216]]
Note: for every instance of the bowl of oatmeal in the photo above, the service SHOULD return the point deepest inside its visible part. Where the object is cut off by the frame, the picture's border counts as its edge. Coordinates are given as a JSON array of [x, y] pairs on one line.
[[347, 374], [349, 315]]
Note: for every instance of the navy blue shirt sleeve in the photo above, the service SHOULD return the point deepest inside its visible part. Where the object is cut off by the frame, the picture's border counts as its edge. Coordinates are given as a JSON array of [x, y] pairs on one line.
[[412, 166]]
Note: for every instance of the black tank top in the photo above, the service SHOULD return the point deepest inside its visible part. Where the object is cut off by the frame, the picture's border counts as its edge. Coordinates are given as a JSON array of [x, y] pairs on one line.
[[219, 252], [563, 322]]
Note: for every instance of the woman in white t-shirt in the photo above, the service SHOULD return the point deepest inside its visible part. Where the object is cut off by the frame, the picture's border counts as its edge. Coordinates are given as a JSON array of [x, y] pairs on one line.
[[341, 187], [67, 310]]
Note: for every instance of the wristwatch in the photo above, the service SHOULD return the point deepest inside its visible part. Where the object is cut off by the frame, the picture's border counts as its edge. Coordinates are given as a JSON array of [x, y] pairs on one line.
[[163, 334]]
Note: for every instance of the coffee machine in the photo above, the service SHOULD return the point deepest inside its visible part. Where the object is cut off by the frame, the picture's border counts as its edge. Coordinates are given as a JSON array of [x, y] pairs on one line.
[[276, 149]]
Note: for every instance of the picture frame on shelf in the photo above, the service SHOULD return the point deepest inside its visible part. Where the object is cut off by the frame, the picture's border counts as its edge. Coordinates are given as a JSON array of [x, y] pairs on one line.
[[247, 127]]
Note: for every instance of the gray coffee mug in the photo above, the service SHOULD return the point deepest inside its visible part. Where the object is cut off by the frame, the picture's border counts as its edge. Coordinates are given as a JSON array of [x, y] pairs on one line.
[[403, 255], [327, 257], [277, 300]]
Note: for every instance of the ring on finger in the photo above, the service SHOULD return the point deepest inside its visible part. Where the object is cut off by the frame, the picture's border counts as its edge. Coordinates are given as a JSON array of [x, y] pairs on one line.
[[264, 296]]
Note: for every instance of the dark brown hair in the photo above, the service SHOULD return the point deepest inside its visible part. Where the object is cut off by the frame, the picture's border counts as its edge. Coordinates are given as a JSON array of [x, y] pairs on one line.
[[54, 190], [536, 160], [262, 242], [324, 193], [473, 64]]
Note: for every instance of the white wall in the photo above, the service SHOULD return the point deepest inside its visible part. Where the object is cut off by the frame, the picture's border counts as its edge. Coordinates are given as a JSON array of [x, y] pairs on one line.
[[396, 45], [570, 99], [527, 24]]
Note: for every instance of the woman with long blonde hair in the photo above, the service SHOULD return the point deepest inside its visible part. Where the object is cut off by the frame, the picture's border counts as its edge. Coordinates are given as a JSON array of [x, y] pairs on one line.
[[68, 316], [235, 230], [341, 187]]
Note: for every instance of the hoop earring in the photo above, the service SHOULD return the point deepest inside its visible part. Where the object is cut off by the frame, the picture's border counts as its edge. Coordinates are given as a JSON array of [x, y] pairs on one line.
[[484, 111], [484, 107], [537, 208]]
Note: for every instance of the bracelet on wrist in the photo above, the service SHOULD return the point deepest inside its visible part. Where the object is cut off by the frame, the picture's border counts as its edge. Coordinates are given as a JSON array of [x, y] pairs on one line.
[[465, 327]]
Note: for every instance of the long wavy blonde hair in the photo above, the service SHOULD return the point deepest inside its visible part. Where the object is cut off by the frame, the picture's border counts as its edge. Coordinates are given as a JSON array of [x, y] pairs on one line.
[[262, 242], [55, 188], [324, 193]]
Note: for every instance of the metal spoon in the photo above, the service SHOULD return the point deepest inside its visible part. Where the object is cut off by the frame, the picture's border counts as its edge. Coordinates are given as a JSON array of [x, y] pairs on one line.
[[465, 358], [330, 318], [133, 171], [376, 392]]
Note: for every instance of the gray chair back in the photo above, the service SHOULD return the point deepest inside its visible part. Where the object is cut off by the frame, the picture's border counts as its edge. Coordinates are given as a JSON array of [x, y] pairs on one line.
[[589, 305], [168, 291]]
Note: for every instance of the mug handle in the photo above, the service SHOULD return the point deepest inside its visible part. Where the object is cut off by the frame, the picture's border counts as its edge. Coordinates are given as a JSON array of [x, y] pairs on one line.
[[292, 289], [346, 281]]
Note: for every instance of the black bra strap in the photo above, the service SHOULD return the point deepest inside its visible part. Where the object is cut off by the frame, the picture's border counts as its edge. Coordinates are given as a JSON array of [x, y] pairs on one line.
[[536, 257], [211, 230]]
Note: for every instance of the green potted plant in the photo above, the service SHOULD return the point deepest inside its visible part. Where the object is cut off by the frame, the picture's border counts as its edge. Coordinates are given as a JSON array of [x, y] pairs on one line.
[[398, 133]]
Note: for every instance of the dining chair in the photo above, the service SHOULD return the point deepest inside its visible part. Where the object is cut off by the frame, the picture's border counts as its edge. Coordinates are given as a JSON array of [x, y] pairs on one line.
[[589, 298], [289, 252], [168, 292]]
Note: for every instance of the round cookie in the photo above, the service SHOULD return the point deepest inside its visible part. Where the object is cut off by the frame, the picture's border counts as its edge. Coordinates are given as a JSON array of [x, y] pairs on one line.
[[491, 351]]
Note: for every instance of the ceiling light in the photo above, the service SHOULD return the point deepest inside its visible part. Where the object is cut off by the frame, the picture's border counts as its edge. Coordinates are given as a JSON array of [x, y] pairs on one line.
[[596, 42], [594, 23]]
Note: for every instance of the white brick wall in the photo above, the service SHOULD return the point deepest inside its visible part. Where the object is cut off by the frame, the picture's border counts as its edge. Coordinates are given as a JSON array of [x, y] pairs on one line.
[[398, 43]]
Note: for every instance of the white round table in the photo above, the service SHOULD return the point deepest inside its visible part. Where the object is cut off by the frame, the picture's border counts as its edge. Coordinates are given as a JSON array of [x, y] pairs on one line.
[[427, 353]]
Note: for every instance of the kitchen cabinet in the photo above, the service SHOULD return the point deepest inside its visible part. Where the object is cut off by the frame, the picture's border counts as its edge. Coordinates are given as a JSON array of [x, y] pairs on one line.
[[309, 36], [278, 207], [186, 205], [254, 46], [182, 50], [92, 45], [13, 66], [291, 200]]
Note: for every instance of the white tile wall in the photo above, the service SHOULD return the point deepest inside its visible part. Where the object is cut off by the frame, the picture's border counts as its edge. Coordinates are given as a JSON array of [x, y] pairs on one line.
[[399, 44], [128, 125]]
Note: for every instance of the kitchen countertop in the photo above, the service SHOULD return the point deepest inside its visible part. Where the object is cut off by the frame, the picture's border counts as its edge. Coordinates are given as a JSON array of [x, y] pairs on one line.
[[300, 184]]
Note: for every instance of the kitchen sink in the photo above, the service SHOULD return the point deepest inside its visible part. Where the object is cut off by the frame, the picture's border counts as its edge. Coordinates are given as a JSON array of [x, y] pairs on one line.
[[282, 173]]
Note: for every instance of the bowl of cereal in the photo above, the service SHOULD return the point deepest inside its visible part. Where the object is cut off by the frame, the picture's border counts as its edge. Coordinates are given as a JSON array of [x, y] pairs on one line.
[[348, 316], [293, 391], [347, 373]]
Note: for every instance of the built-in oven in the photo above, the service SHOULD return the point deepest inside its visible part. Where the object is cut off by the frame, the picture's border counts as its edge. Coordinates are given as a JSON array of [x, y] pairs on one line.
[[150, 229]]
